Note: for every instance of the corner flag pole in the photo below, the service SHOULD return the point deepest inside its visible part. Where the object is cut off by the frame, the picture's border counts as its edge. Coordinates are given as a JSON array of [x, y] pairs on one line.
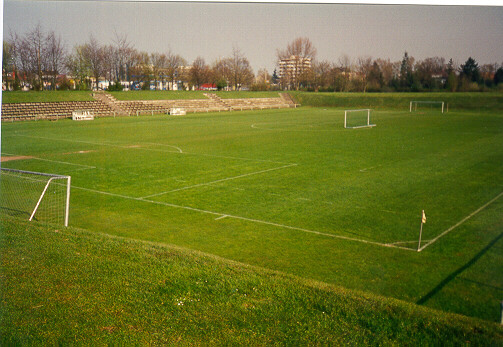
[[423, 220]]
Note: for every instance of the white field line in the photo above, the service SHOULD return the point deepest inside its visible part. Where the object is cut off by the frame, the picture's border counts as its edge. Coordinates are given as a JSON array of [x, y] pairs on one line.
[[260, 126], [153, 149], [162, 144], [129, 146], [56, 161], [367, 168], [404, 242], [237, 158], [217, 181], [460, 222], [222, 215]]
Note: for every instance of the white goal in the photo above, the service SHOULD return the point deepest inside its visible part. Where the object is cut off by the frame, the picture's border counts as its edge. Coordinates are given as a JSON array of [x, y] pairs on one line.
[[35, 195], [416, 106], [357, 119]]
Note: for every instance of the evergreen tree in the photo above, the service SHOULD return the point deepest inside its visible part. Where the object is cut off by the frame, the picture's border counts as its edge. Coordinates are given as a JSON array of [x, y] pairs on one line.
[[274, 77], [470, 70], [406, 77], [498, 76], [452, 80]]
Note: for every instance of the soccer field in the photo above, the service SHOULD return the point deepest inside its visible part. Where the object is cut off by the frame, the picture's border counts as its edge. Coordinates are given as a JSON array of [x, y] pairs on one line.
[[292, 190]]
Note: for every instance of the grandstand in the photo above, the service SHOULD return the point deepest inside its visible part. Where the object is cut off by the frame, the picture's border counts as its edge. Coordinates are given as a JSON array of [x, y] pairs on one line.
[[106, 105], [52, 110]]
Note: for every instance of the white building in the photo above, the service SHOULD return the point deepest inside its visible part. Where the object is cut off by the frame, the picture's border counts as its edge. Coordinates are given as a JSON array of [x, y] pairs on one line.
[[293, 66]]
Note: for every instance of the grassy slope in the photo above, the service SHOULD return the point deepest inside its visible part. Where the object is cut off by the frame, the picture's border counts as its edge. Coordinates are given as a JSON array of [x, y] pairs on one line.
[[74, 286], [50, 96], [174, 95], [246, 94], [478, 101], [456, 101], [158, 95], [46, 96]]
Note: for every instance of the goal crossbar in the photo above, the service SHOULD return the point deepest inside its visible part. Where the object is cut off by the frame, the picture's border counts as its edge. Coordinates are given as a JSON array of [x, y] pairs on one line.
[[32, 177], [367, 123]]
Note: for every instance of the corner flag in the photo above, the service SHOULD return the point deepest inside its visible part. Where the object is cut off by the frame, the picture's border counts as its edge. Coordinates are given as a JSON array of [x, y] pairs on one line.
[[423, 220]]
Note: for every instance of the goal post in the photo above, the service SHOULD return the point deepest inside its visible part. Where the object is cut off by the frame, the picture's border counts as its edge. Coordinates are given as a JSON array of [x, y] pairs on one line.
[[426, 105], [35, 195], [357, 119]]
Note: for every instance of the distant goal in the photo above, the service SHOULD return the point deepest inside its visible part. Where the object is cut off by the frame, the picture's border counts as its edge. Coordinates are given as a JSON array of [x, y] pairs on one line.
[[357, 119], [35, 195], [418, 106]]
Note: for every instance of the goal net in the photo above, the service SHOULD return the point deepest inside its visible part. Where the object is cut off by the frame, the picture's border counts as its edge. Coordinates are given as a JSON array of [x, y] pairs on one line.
[[357, 119], [35, 196], [418, 106]]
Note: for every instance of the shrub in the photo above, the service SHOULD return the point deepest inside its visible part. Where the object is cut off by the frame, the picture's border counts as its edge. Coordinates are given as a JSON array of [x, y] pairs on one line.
[[115, 87]]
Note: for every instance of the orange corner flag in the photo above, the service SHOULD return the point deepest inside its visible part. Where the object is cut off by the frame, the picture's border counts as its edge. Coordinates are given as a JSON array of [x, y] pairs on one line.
[[424, 218]]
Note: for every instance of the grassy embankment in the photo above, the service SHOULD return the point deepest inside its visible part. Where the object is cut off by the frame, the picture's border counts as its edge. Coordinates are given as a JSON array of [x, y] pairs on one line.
[[466, 101], [46, 96], [64, 286], [379, 101], [51, 96]]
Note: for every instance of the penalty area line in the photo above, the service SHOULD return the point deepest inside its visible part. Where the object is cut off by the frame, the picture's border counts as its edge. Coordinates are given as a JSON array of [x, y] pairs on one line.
[[218, 181], [56, 161], [258, 221]]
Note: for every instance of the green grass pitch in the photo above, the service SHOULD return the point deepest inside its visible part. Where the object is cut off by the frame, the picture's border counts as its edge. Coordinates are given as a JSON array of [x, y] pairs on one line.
[[292, 190]]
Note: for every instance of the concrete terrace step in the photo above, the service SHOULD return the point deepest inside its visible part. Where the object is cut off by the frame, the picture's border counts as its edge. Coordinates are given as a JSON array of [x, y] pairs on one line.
[[106, 104]]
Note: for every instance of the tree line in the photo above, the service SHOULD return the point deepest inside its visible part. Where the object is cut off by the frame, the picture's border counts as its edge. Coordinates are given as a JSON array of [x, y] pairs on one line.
[[40, 60]]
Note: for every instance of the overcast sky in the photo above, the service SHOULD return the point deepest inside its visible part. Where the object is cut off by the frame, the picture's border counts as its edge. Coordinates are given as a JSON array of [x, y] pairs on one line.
[[211, 30]]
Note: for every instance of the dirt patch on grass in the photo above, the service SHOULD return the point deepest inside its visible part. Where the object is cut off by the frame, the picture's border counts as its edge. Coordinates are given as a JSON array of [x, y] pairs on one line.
[[14, 157]]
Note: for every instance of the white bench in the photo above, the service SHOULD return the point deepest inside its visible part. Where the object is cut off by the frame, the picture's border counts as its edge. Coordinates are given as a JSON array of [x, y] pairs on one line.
[[177, 112], [82, 115]]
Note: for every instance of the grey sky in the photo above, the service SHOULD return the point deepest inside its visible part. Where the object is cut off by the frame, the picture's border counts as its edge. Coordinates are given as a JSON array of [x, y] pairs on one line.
[[211, 29]]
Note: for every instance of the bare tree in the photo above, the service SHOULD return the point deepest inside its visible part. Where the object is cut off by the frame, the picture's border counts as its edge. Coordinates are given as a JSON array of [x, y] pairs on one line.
[[199, 72], [143, 68], [93, 54], [322, 76], [123, 51], [174, 65], [345, 66], [35, 41], [428, 71], [364, 67], [386, 68], [56, 55], [158, 62], [222, 73], [263, 76], [130, 60], [240, 69], [13, 43], [295, 59], [78, 66], [110, 57]]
